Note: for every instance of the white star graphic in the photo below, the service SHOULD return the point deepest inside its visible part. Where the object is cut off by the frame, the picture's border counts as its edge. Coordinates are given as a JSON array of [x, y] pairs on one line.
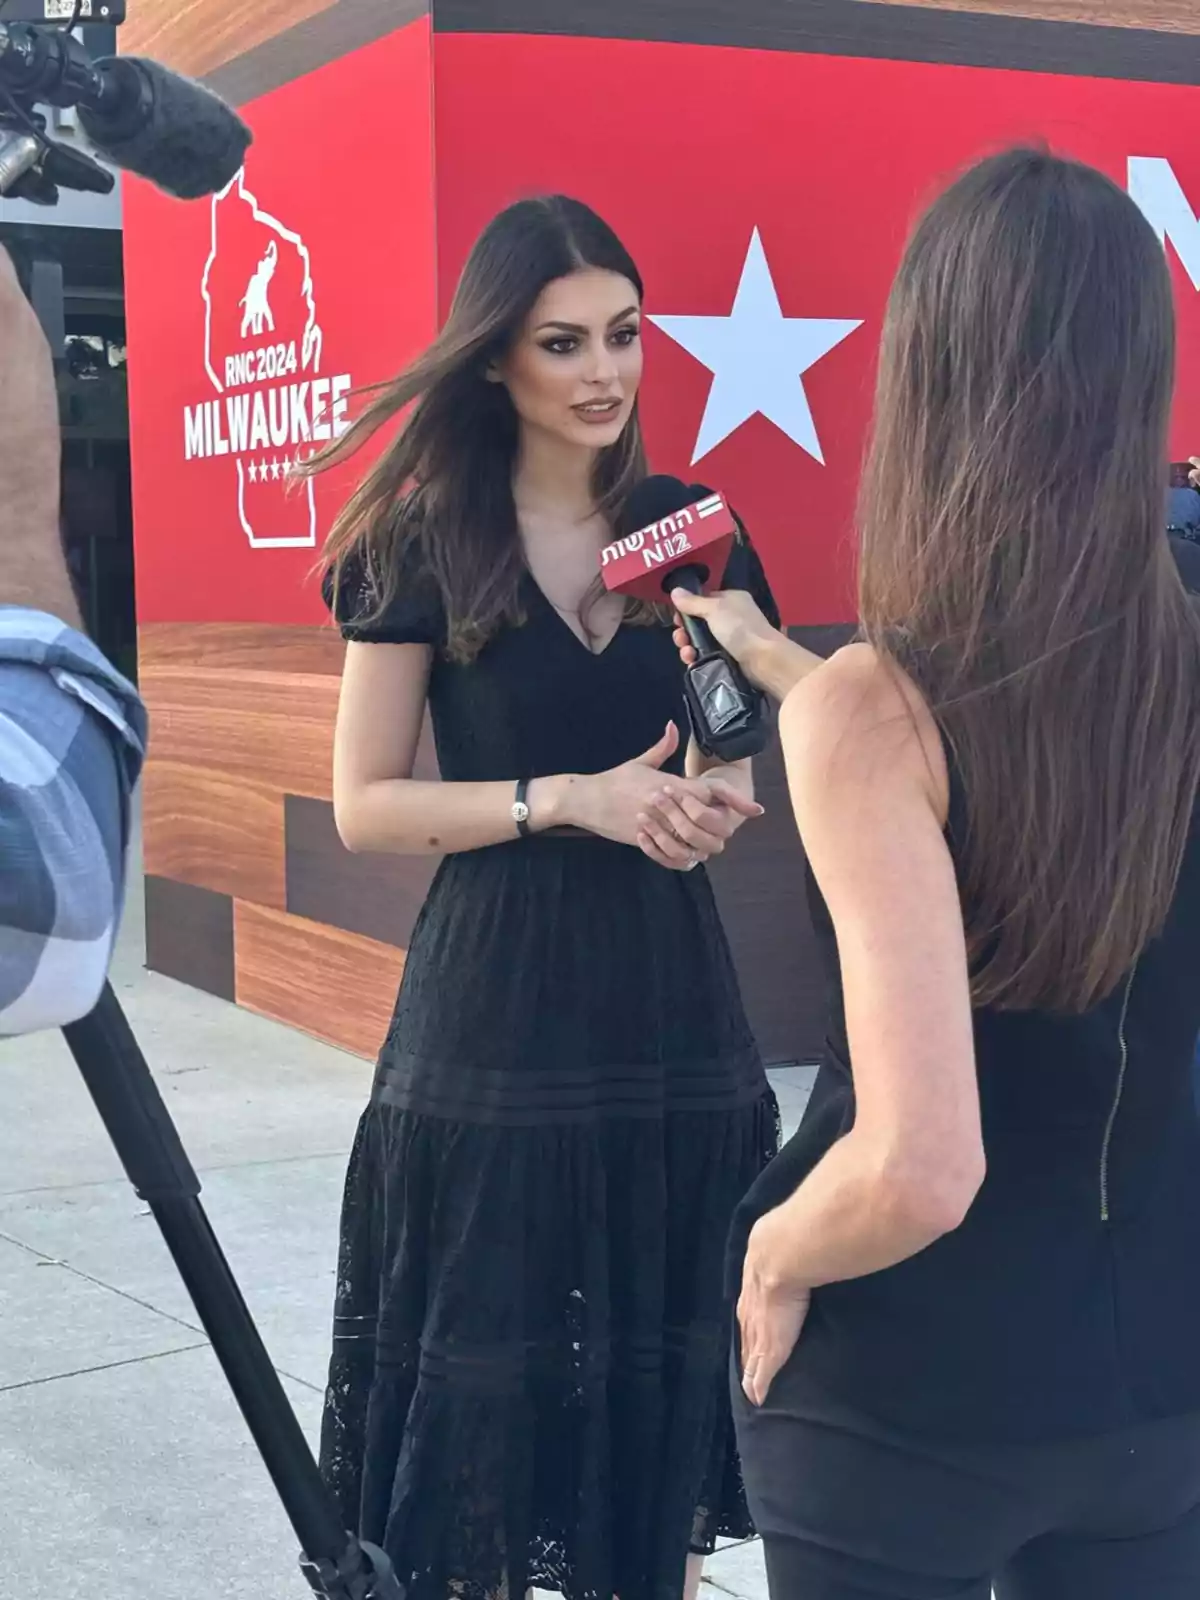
[[757, 357], [275, 469], [253, 473]]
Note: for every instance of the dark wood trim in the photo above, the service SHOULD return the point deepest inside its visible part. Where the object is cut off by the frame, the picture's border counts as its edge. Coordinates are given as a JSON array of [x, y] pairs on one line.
[[823, 638], [189, 935], [850, 28], [348, 25], [376, 896], [759, 888]]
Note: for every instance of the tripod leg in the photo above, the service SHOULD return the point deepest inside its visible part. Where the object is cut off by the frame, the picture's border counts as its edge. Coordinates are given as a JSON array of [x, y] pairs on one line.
[[148, 1144]]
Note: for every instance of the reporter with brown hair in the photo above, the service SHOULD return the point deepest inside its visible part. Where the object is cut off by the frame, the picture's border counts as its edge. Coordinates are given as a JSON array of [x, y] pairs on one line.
[[970, 1286]]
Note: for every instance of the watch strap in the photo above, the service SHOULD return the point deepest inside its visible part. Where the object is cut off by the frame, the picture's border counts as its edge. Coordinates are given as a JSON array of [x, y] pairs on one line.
[[520, 807]]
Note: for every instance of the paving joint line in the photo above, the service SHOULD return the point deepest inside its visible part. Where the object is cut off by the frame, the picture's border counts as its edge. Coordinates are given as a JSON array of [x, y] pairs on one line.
[[104, 1366], [98, 1283], [145, 1305], [224, 1166]]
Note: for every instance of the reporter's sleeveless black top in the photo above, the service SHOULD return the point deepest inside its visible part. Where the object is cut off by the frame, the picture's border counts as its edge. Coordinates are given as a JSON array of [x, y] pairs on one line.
[[1068, 1302]]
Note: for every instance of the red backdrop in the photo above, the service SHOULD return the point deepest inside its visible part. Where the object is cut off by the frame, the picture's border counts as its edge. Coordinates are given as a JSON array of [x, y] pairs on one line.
[[687, 150], [251, 317]]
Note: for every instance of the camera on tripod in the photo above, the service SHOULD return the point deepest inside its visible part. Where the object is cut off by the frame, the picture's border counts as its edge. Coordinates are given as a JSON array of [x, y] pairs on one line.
[[43, 62]]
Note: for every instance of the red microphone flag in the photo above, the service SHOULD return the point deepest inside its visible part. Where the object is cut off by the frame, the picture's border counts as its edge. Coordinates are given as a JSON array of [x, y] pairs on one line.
[[700, 535]]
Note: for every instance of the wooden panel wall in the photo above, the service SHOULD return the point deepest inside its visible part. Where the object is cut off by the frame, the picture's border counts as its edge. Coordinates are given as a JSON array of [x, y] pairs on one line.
[[243, 723], [331, 983]]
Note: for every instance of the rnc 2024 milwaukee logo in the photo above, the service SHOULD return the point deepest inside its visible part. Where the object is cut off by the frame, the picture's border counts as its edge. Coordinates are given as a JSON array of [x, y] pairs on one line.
[[263, 352]]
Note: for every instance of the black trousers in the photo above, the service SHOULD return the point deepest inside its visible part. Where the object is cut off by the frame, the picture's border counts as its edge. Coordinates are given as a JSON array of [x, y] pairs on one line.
[[851, 1510]]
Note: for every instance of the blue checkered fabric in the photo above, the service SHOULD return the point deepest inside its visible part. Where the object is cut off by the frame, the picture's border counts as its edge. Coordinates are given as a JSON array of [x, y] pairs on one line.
[[72, 741]]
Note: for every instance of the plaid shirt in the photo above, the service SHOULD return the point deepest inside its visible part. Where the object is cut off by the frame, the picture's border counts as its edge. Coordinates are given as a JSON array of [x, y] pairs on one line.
[[72, 740]]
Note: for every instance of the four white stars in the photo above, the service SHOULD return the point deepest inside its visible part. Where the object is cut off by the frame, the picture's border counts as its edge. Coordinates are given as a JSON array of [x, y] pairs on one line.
[[260, 471], [758, 358]]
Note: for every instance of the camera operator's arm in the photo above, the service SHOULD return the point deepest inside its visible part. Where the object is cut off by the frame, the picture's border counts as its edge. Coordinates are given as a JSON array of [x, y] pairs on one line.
[[72, 731]]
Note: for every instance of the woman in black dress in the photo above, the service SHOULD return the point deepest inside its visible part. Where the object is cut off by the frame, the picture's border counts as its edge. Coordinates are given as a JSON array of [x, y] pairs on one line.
[[527, 1385], [970, 1286]]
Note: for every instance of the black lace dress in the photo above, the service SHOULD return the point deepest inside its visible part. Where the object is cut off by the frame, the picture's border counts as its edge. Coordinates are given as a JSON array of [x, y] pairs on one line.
[[528, 1382]]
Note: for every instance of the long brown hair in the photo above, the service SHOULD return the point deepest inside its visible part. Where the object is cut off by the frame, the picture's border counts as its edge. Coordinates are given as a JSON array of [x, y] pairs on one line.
[[445, 481], [1014, 562]]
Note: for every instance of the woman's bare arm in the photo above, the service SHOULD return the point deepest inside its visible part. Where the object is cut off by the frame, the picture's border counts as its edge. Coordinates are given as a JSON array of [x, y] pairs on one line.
[[869, 787], [377, 803]]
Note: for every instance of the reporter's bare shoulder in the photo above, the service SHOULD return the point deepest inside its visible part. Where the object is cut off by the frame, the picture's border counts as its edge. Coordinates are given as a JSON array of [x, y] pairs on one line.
[[860, 721]]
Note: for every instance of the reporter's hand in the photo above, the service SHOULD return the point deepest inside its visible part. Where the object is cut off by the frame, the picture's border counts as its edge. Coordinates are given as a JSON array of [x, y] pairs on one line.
[[679, 828], [771, 1310], [1194, 474], [610, 803], [771, 661], [737, 624]]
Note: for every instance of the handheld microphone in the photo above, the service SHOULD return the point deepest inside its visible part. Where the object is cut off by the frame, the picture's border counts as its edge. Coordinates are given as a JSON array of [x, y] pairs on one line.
[[163, 127], [682, 539]]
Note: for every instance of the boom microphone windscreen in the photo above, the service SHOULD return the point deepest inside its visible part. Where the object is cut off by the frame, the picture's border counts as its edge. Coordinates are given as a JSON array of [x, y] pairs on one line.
[[164, 127]]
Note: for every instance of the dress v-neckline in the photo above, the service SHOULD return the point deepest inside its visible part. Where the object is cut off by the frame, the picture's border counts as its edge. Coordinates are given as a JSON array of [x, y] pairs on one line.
[[596, 655]]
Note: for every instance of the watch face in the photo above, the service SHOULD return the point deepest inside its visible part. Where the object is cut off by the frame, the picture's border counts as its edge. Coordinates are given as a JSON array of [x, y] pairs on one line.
[[520, 811]]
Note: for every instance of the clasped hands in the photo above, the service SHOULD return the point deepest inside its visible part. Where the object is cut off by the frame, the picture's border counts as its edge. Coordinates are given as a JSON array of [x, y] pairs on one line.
[[689, 820], [678, 822]]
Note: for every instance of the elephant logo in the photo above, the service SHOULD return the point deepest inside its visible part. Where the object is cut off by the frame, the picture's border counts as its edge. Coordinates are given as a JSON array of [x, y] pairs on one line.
[[256, 301]]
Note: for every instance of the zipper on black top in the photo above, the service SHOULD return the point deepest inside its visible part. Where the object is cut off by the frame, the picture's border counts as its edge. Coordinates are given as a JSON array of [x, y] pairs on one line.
[[1123, 1042]]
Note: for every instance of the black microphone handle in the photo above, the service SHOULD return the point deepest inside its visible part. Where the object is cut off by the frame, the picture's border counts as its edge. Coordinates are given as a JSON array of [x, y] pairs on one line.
[[698, 631]]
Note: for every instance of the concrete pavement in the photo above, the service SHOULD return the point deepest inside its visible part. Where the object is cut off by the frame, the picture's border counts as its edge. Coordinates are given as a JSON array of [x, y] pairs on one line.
[[125, 1468]]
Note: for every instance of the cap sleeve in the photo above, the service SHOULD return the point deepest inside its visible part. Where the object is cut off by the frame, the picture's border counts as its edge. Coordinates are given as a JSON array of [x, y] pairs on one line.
[[414, 614], [744, 570]]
